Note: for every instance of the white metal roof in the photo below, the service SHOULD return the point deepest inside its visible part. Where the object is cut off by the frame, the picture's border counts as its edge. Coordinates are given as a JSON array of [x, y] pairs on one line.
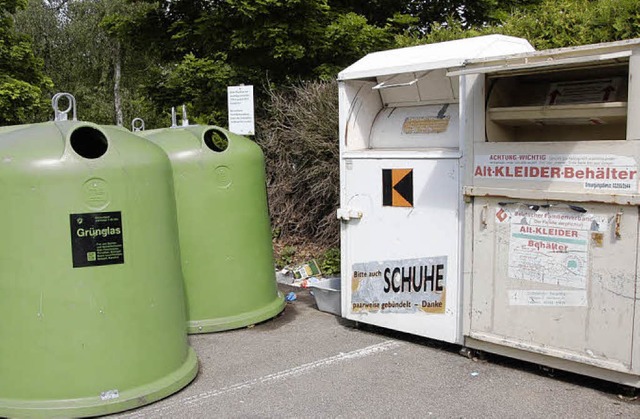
[[606, 51], [433, 56]]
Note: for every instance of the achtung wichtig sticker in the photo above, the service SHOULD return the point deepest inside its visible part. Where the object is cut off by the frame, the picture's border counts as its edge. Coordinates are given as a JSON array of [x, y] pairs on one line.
[[593, 171]]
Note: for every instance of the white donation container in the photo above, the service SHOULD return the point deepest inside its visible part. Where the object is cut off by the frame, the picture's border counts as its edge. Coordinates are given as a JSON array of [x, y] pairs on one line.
[[401, 127], [552, 208]]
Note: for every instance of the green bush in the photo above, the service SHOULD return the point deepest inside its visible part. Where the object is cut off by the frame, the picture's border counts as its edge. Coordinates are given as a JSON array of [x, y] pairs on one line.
[[299, 136], [330, 261], [554, 24], [285, 256]]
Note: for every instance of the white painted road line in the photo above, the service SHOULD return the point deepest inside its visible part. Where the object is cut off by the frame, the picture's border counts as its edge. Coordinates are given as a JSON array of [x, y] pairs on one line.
[[199, 399]]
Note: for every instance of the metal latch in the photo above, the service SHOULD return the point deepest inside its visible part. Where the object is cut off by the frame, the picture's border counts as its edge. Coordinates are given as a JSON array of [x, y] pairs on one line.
[[346, 214]]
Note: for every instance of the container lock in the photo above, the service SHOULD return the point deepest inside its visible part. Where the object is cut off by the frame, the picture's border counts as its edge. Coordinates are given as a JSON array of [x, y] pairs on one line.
[[346, 214]]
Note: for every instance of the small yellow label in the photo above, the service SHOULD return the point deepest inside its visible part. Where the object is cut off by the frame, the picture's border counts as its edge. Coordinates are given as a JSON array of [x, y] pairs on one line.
[[598, 239], [425, 125]]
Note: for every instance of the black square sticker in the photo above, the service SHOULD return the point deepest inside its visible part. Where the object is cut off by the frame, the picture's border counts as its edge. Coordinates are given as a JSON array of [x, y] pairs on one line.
[[96, 239]]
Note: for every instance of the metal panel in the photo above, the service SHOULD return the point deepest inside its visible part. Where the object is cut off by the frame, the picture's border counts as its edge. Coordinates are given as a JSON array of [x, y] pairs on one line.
[[426, 234], [556, 281], [430, 56], [583, 55], [431, 86], [359, 105], [432, 126]]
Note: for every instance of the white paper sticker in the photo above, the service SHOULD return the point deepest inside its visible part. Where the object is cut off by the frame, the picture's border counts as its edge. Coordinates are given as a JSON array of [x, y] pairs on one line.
[[109, 395], [551, 247], [400, 286], [545, 298], [240, 108]]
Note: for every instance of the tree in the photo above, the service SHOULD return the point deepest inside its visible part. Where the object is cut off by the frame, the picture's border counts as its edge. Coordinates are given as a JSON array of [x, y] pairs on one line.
[[281, 42], [553, 24], [98, 50], [120, 21], [22, 81], [303, 169], [576, 22], [129, 58], [266, 42], [418, 17]]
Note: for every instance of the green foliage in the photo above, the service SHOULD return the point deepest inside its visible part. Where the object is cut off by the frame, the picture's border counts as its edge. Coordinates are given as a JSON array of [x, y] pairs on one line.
[[552, 24], [122, 18], [80, 42], [188, 51], [286, 256], [576, 22], [376, 12], [450, 30], [330, 261], [10, 6], [19, 101], [267, 42], [299, 136], [347, 39], [416, 18], [281, 42], [201, 82], [21, 78]]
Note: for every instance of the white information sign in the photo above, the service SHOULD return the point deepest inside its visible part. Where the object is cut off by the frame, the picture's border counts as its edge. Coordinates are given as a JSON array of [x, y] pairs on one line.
[[240, 109], [594, 171]]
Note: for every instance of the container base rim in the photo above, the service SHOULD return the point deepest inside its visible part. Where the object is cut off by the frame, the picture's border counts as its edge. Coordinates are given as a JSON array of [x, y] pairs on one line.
[[94, 406], [241, 320]]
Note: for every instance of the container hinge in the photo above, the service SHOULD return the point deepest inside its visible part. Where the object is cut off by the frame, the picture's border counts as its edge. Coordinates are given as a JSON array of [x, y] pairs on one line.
[[483, 217], [346, 214]]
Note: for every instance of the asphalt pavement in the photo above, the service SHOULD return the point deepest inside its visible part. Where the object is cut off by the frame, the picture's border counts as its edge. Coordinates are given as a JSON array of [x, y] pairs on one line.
[[306, 363]]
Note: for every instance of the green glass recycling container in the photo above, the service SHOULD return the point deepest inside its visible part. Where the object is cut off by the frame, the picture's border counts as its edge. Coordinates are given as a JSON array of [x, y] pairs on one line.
[[91, 288], [225, 232]]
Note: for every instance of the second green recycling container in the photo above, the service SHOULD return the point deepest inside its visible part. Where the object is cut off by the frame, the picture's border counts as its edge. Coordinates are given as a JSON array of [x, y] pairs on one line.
[[225, 232]]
